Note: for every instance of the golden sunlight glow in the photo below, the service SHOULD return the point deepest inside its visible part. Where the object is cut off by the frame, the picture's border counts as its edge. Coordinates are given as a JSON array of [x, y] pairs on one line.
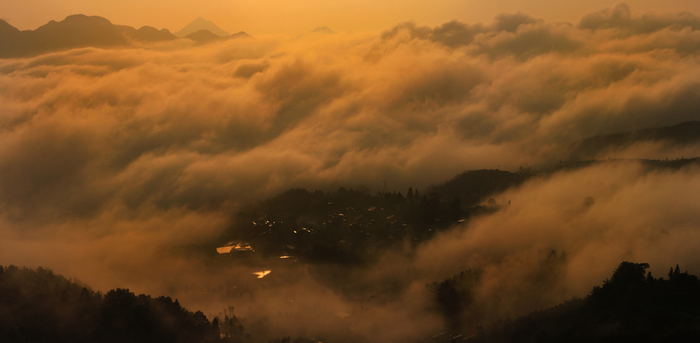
[[291, 18], [262, 274]]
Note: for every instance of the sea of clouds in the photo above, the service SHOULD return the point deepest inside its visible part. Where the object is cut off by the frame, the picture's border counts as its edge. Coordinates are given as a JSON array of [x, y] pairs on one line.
[[111, 160]]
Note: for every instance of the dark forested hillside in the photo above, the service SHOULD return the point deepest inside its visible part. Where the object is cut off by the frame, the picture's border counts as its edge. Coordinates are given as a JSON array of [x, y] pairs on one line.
[[631, 306], [471, 187], [343, 226], [347, 225], [40, 306], [680, 134]]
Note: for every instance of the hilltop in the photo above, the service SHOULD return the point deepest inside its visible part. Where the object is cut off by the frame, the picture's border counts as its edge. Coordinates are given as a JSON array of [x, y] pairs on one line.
[[81, 31]]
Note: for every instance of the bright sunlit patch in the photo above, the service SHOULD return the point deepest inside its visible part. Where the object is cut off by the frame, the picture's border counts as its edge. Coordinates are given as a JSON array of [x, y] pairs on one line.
[[262, 274], [234, 247]]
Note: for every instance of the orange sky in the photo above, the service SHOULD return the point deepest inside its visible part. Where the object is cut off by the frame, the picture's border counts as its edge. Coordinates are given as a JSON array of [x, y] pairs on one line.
[[281, 17]]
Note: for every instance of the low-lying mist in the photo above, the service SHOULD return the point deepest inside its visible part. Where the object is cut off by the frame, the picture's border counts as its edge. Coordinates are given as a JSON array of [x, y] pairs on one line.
[[115, 165], [551, 239]]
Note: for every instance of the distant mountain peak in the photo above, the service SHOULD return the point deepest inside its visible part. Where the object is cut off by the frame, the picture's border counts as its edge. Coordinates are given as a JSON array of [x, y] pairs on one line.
[[200, 24], [241, 34], [317, 32], [322, 29]]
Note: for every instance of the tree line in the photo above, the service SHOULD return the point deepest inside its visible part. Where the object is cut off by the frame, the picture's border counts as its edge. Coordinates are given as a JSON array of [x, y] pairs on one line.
[[37, 305]]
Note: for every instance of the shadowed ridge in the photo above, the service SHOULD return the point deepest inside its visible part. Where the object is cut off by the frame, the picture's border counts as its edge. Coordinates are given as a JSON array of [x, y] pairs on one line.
[[206, 36], [241, 34], [147, 33], [680, 134], [7, 29], [75, 31], [9, 38], [151, 34], [322, 31], [78, 31]]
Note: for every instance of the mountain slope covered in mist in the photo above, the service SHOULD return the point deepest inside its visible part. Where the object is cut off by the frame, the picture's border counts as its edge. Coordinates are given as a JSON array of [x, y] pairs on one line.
[[345, 225], [40, 306], [680, 134]]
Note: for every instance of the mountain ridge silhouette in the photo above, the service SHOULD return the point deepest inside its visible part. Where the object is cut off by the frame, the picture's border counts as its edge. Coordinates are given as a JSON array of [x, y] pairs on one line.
[[82, 31]]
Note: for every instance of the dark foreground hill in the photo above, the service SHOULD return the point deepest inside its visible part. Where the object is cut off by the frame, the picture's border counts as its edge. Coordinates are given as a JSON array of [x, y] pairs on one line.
[[40, 306], [631, 306]]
